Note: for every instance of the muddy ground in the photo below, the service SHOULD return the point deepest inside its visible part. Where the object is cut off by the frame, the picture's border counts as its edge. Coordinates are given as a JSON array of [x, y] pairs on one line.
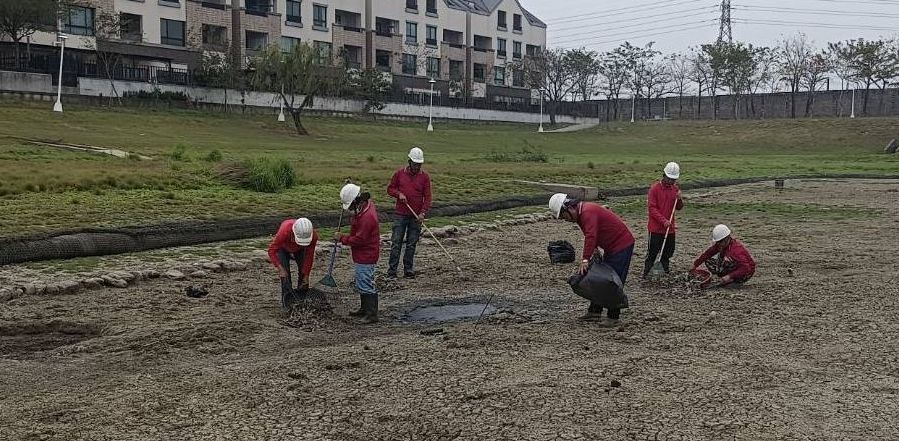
[[807, 350]]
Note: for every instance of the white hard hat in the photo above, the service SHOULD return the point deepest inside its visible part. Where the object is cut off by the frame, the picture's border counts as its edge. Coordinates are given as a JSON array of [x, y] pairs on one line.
[[348, 194], [672, 170], [416, 155], [720, 232], [556, 202], [302, 231]]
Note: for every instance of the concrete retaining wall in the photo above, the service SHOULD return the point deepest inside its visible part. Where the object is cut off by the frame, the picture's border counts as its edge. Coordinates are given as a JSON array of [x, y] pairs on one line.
[[26, 82]]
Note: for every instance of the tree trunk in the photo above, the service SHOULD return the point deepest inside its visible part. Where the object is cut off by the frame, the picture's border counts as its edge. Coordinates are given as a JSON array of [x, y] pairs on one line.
[[552, 112], [793, 90], [296, 113], [865, 102], [18, 64], [698, 111]]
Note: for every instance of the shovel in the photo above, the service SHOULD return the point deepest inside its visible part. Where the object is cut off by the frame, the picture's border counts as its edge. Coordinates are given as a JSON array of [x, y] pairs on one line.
[[327, 283], [458, 268], [657, 269]]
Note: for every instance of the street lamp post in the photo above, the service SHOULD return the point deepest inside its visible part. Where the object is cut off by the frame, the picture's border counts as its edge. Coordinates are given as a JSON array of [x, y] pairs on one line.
[[61, 40], [852, 115], [281, 105], [540, 129], [431, 107]]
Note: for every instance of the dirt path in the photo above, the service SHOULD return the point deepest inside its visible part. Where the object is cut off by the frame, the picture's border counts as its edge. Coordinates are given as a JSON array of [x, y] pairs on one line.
[[805, 351]]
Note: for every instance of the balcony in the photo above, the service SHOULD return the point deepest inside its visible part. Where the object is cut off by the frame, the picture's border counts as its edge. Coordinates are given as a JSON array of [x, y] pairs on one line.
[[452, 51], [391, 42], [213, 4], [348, 35]]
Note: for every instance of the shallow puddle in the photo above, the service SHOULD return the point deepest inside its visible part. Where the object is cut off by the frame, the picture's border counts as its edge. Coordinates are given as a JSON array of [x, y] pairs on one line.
[[446, 313]]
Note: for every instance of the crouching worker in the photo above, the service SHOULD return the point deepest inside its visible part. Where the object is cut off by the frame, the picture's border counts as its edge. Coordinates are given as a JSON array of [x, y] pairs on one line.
[[727, 258], [364, 241], [295, 240], [603, 231]]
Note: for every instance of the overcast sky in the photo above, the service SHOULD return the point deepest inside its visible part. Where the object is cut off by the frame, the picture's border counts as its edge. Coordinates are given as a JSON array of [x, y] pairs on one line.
[[679, 24]]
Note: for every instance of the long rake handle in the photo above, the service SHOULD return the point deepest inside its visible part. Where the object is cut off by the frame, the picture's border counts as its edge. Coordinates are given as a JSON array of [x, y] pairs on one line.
[[665, 241], [458, 268], [334, 249]]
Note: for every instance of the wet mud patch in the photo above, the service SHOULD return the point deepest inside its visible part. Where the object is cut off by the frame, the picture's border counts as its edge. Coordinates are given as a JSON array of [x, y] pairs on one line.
[[448, 312], [26, 340]]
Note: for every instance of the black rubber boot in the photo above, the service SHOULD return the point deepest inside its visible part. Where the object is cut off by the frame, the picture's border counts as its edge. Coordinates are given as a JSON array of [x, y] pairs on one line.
[[361, 311], [370, 304]]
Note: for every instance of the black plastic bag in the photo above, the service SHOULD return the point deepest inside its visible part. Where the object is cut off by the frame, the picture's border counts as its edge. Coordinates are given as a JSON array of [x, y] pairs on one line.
[[601, 285], [560, 251]]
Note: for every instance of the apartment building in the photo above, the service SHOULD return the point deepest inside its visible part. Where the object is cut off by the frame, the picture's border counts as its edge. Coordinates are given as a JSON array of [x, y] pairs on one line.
[[469, 47]]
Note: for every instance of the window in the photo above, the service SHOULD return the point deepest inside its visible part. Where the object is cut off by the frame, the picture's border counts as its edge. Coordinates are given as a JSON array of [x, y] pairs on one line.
[[320, 16], [518, 78], [499, 76], [480, 72], [501, 20], [501, 47], [215, 35], [432, 35], [433, 67], [412, 5], [323, 52], [456, 70], [382, 60], [288, 43], [410, 64], [256, 41], [516, 49], [259, 6], [171, 32], [131, 27], [294, 14], [385, 28], [411, 32], [516, 22], [432, 7], [533, 50], [78, 20]]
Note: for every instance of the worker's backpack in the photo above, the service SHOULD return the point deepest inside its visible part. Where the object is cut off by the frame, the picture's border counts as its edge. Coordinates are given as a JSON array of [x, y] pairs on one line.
[[560, 251]]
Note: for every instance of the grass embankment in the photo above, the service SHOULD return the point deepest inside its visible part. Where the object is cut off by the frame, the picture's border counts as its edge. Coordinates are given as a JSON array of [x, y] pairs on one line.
[[44, 188]]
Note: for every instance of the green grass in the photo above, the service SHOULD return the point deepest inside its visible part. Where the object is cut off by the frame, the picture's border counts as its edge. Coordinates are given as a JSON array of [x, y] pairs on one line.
[[43, 188]]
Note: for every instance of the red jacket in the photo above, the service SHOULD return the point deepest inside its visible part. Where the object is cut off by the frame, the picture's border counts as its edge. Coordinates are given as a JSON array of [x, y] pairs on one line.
[[365, 236], [662, 198], [602, 229], [735, 252], [417, 189], [285, 240]]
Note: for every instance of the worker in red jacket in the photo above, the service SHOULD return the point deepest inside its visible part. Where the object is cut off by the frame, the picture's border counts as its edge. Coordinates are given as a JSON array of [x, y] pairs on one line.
[[727, 258], [295, 240], [661, 203], [364, 241], [603, 231], [411, 187]]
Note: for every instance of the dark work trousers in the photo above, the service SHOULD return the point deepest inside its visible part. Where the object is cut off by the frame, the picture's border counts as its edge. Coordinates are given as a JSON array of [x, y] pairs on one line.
[[284, 257], [406, 230], [655, 245], [621, 263]]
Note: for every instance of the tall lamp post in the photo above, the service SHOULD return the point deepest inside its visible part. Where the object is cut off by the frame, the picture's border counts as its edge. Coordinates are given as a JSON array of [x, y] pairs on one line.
[[854, 86], [61, 40], [431, 107], [540, 129]]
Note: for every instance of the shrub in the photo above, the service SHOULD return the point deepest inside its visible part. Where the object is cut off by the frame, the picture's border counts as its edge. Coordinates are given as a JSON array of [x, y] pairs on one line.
[[370, 158], [179, 153], [133, 157], [265, 175], [526, 154], [591, 165], [213, 156]]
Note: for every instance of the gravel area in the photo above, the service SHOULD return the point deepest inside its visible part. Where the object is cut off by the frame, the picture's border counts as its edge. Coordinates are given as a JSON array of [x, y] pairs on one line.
[[805, 351]]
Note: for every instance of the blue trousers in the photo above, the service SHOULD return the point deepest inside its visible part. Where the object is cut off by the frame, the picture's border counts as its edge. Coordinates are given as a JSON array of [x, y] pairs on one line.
[[284, 257], [406, 230], [365, 280]]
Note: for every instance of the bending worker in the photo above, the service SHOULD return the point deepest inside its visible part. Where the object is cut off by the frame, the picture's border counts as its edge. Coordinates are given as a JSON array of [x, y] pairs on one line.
[[661, 203], [727, 258], [364, 241], [295, 240], [411, 187], [603, 232]]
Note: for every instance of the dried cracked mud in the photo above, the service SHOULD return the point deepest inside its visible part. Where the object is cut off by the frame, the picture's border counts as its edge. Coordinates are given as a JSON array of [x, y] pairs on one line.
[[806, 351]]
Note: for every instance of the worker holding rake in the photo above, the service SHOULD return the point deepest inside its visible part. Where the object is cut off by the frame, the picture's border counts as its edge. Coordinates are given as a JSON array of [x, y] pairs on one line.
[[662, 203], [411, 187], [295, 240]]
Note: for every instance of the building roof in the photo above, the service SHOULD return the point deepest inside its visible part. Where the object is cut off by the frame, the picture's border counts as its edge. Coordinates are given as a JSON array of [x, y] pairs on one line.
[[486, 7]]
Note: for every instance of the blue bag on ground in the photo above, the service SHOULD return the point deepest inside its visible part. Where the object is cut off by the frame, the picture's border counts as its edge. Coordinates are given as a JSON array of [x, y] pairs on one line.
[[600, 285]]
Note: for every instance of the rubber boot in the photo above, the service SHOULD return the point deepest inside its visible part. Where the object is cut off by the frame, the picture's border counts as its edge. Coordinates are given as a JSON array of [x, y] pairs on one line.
[[361, 311], [594, 313], [370, 304]]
